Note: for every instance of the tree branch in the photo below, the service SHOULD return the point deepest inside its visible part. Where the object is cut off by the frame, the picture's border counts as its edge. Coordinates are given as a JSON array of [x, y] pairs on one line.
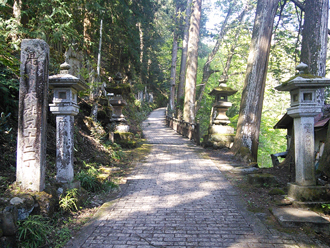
[[300, 5]]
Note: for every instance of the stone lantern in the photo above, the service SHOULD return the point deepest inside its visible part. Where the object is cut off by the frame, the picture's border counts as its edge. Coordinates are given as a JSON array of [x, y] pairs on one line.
[[65, 107], [304, 107], [220, 134], [118, 103]]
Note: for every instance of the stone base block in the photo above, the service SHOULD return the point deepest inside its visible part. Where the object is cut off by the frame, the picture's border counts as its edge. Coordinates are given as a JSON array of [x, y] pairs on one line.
[[221, 129], [262, 180], [125, 139], [221, 140], [289, 217], [308, 193], [122, 128]]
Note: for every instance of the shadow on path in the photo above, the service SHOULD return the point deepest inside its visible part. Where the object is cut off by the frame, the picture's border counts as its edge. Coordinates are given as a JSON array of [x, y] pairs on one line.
[[177, 199]]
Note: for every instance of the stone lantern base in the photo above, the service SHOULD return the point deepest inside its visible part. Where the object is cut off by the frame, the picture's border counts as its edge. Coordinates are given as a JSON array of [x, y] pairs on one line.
[[220, 136], [308, 194]]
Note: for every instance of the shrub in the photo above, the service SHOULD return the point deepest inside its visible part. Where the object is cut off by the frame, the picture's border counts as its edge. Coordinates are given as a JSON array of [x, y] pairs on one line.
[[89, 180], [33, 231], [69, 201]]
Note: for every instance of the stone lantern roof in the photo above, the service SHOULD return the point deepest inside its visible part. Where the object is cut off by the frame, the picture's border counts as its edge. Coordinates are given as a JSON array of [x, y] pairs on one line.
[[223, 90], [66, 80], [303, 80]]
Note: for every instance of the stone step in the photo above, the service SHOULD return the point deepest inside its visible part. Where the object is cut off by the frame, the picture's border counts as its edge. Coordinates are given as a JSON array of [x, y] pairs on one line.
[[294, 217]]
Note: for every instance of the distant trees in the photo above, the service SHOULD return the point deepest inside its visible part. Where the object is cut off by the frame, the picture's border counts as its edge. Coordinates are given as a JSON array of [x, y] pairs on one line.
[[131, 35]]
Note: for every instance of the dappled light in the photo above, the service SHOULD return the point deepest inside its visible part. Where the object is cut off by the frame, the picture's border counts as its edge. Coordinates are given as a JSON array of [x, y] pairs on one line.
[[178, 198]]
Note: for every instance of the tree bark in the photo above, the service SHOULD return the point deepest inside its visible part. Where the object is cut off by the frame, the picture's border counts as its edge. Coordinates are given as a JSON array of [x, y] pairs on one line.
[[248, 126], [17, 9], [315, 36], [173, 69], [182, 76], [174, 59], [192, 57], [314, 52]]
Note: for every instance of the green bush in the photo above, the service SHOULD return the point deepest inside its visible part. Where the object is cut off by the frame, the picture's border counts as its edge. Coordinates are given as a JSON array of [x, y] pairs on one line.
[[89, 180], [68, 202], [34, 231], [62, 237]]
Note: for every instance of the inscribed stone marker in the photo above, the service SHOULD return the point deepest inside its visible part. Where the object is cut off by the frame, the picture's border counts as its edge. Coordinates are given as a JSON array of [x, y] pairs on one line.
[[32, 120]]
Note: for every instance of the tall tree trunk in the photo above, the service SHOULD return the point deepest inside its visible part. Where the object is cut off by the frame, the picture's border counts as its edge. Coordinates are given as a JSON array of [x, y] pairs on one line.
[[248, 126], [182, 76], [315, 36], [191, 73], [314, 52], [173, 69], [174, 59], [141, 50], [17, 10], [99, 86]]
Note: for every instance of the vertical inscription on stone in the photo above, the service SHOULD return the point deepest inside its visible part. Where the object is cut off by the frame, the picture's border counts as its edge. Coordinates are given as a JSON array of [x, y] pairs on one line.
[[31, 141], [308, 142]]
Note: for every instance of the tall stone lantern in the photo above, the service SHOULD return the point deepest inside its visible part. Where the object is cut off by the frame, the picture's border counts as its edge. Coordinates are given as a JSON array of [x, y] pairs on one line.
[[118, 103], [304, 107], [220, 134], [65, 107]]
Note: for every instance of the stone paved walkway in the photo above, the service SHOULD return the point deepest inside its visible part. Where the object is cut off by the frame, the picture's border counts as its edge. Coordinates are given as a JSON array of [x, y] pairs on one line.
[[177, 199]]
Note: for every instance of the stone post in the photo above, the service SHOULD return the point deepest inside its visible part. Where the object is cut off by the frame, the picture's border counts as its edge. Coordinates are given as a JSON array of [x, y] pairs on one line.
[[32, 120], [304, 145], [64, 148]]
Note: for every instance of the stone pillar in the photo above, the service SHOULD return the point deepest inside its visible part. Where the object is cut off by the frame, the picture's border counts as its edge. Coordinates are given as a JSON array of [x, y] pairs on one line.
[[64, 148], [32, 120], [304, 149]]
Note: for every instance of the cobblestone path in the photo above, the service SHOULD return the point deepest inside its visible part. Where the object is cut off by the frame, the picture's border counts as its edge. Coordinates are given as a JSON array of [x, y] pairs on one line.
[[178, 199]]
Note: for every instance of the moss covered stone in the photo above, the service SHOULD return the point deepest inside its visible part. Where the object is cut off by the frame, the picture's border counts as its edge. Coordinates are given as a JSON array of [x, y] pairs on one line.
[[276, 191], [305, 75], [262, 180]]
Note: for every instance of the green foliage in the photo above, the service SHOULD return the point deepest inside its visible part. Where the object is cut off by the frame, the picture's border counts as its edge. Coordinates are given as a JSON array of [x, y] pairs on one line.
[[326, 206], [62, 236], [4, 126], [69, 201], [33, 232], [9, 86], [90, 180]]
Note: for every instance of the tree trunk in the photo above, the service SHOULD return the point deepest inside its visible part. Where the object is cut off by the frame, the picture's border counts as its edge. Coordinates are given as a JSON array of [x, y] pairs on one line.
[[315, 36], [99, 86], [174, 59], [141, 51], [192, 57], [17, 9], [314, 52], [182, 76], [173, 69], [248, 126]]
